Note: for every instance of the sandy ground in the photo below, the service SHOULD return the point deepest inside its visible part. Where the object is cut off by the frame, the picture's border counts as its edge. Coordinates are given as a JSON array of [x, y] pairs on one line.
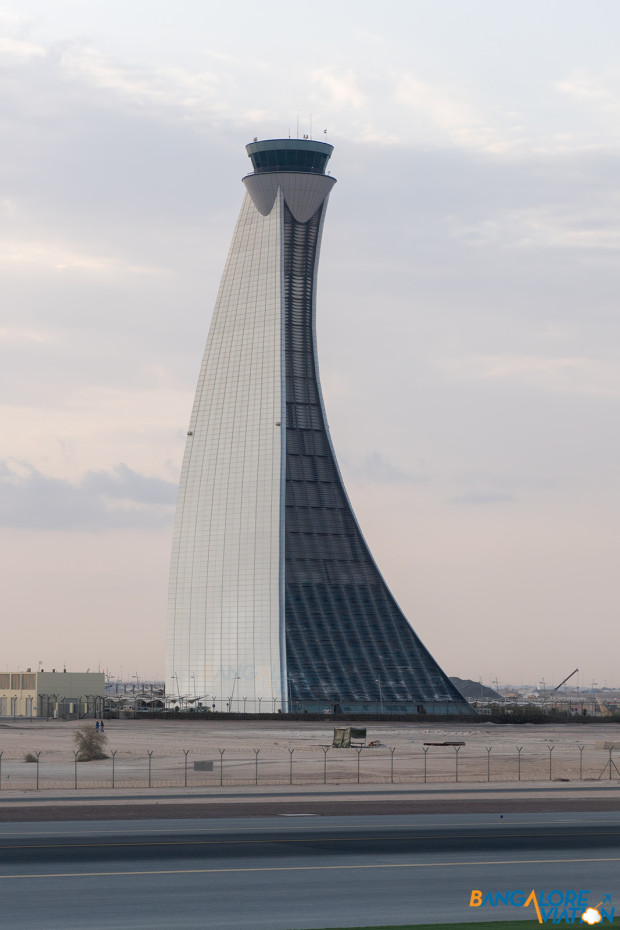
[[302, 752]]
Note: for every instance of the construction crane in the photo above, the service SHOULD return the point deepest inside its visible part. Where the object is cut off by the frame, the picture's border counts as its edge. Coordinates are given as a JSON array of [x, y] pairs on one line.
[[605, 711], [557, 687]]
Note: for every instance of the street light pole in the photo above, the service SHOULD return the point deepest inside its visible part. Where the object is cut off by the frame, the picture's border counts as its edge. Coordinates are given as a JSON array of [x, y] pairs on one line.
[[235, 679], [178, 690], [378, 680]]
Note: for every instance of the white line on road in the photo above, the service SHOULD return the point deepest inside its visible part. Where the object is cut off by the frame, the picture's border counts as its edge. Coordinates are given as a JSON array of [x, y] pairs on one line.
[[129, 826], [502, 832], [308, 868]]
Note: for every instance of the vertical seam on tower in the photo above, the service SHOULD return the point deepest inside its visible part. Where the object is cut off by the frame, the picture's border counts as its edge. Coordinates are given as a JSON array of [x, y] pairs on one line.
[[282, 488]]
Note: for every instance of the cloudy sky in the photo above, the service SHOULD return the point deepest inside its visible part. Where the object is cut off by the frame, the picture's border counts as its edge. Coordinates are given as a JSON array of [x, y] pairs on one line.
[[468, 307]]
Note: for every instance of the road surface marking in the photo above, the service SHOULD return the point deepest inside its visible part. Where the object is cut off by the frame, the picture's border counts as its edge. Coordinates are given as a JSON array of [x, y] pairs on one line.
[[306, 868], [501, 833]]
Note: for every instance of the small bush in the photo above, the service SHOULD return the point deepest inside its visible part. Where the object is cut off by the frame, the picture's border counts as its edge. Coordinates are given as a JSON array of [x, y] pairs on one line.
[[90, 744], [29, 757]]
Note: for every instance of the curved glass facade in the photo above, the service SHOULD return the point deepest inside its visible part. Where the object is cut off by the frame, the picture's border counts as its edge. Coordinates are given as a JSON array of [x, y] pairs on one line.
[[348, 645], [300, 155], [291, 160]]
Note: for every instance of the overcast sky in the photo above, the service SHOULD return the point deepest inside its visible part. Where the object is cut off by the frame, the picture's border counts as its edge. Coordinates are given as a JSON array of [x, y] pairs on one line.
[[468, 307]]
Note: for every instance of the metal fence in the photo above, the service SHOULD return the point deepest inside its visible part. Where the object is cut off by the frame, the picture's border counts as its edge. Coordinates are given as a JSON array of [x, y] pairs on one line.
[[321, 765]]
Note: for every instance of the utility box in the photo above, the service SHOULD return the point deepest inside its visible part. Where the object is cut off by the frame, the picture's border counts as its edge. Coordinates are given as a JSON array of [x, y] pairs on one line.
[[345, 737]]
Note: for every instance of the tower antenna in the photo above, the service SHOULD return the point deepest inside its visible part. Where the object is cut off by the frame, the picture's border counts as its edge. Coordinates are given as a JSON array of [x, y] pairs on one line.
[[311, 125], [298, 125]]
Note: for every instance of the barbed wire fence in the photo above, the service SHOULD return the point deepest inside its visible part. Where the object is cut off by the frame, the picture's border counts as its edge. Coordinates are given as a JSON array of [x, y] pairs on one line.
[[218, 767]]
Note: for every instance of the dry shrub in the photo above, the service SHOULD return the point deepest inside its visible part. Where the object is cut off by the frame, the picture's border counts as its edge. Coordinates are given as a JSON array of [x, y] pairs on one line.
[[90, 744]]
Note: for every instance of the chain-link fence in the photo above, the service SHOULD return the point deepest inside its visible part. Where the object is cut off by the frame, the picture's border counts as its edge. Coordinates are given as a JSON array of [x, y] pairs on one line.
[[218, 767]]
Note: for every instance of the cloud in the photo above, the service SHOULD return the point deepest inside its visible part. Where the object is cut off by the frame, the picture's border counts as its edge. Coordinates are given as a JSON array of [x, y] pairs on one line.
[[16, 335], [456, 118], [119, 498], [571, 376], [167, 87], [591, 90], [61, 257], [483, 497], [342, 87], [376, 470], [585, 226], [124, 484], [17, 49]]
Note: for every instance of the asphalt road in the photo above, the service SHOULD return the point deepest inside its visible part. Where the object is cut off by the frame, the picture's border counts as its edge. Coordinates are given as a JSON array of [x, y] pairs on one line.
[[286, 873], [336, 803]]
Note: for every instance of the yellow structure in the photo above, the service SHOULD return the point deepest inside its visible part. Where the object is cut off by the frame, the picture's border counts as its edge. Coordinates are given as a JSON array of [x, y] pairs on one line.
[[51, 694]]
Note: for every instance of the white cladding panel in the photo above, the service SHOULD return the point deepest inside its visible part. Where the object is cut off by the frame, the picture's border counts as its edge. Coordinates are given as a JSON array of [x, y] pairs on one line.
[[304, 193], [224, 602]]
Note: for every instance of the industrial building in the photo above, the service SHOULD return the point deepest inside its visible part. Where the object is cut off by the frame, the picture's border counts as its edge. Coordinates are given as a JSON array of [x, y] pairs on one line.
[[51, 694]]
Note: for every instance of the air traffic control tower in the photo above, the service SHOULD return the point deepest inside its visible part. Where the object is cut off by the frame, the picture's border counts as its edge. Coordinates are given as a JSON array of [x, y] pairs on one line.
[[275, 600]]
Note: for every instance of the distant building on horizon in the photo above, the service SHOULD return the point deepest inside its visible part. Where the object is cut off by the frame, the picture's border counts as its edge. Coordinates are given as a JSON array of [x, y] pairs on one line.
[[275, 600]]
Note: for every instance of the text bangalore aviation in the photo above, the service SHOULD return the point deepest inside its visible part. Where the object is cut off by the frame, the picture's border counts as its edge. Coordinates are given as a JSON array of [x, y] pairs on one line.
[[551, 906]]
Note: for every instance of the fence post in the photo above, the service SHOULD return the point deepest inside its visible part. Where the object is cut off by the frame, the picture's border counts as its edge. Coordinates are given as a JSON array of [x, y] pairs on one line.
[[221, 752], [114, 751], [609, 765], [76, 752], [519, 748], [392, 751], [186, 753], [425, 751], [325, 751], [290, 778], [456, 760], [488, 749], [37, 754], [358, 750], [1, 769], [551, 748], [581, 749], [256, 752], [150, 752]]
